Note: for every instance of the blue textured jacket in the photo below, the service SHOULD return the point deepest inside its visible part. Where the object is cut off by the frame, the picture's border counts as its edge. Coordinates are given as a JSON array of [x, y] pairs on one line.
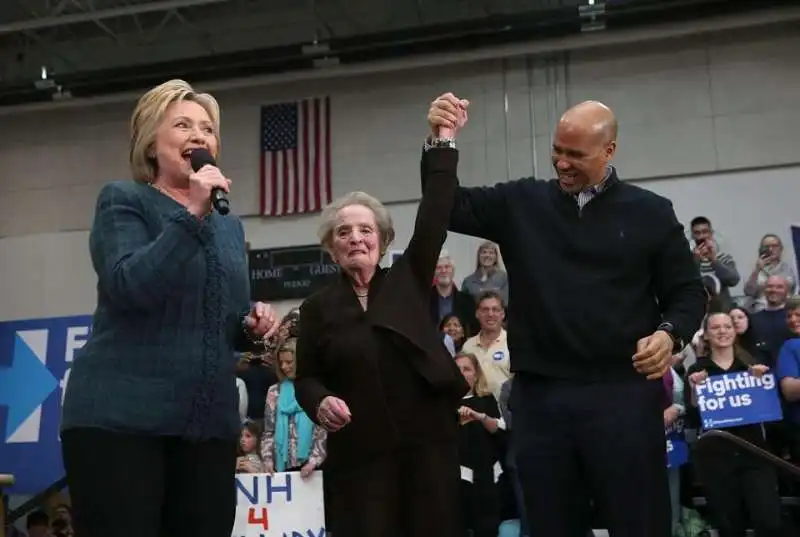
[[172, 292]]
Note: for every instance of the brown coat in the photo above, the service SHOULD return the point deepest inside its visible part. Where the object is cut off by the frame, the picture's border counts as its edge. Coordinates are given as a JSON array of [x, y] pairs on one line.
[[389, 364]]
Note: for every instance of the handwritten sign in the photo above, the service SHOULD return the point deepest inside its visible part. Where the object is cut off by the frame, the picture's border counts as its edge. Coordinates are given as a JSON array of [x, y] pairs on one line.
[[279, 505], [677, 448], [740, 398]]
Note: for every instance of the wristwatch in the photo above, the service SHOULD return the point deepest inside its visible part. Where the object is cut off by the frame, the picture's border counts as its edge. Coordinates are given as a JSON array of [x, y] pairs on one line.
[[677, 342], [449, 143]]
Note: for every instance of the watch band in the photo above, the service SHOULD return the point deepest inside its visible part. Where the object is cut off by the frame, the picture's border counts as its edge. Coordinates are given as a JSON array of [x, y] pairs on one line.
[[431, 142], [677, 343]]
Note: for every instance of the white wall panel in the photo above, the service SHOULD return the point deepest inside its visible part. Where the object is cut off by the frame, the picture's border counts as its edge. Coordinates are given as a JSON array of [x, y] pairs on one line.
[[695, 108]]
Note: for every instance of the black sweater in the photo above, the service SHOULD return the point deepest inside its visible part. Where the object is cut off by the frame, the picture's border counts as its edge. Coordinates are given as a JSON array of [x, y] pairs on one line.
[[585, 285]]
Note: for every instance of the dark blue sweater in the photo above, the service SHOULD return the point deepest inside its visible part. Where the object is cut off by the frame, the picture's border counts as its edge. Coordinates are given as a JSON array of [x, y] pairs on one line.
[[585, 285], [172, 291]]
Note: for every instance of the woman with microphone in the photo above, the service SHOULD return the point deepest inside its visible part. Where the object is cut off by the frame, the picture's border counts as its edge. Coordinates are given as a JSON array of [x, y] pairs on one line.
[[150, 424]]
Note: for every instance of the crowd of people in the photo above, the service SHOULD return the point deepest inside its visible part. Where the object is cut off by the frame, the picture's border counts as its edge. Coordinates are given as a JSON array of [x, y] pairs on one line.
[[759, 332], [537, 393]]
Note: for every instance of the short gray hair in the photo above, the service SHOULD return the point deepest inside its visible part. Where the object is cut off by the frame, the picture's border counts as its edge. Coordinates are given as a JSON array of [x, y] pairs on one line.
[[382, 218]]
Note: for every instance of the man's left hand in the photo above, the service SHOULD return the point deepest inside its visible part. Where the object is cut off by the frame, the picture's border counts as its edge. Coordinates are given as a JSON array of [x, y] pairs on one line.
[[654, 355], [261, 321]]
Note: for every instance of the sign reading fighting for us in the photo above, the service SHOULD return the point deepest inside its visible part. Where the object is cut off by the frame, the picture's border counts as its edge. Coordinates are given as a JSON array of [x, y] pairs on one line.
[[35, 360], [738, 398], [279, 505]]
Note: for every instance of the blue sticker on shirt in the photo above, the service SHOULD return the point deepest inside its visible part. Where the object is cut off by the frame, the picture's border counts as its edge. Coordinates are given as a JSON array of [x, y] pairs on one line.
[[498, 355]]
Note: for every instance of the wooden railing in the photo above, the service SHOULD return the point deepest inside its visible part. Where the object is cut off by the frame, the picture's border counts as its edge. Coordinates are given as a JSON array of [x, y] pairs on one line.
[[6, 480]]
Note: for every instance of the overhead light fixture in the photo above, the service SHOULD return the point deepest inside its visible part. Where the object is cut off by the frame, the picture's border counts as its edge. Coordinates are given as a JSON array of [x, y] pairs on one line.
[[315, 49]]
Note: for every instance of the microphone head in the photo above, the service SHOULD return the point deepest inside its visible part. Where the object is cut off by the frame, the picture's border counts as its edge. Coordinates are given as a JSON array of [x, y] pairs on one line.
[[200, 157]]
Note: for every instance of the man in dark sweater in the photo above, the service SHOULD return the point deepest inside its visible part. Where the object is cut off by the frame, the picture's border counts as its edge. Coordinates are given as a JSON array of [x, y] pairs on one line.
[[604, 290], [769, 325]]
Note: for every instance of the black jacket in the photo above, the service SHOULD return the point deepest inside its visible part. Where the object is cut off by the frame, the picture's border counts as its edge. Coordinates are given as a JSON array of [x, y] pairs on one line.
[[389, 364], [586, 284]]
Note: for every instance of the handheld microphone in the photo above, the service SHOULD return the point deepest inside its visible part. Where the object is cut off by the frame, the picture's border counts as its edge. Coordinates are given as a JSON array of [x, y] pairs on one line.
[[219, 198]]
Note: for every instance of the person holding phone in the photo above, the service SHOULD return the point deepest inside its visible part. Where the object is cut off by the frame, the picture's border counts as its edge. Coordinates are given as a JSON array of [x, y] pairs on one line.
[[769, 263], [714, 264]]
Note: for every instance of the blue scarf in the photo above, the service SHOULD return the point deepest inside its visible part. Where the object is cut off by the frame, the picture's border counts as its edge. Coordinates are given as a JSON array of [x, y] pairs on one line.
[[288, 409]]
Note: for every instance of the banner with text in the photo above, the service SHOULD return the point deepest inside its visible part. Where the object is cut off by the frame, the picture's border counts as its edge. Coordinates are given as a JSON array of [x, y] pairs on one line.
[[677, 448], [35, 360], [279, 505], [739, 398]]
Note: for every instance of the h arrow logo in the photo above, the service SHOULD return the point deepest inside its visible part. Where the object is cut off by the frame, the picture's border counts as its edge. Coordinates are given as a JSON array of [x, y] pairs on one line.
[[25, 385]]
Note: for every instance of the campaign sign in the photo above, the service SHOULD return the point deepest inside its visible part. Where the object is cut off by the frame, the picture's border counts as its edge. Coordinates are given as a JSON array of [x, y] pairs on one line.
[[35, 358], [738, 398], [677, 448], [279, 505]]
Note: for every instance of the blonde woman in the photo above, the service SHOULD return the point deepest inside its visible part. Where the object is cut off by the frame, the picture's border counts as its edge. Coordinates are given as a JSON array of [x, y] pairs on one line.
[[150, 425], [479, 451], [489, 274], [291, 441]]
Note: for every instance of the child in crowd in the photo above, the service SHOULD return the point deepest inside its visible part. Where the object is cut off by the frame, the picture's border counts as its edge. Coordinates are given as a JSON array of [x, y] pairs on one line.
[[249, 461]]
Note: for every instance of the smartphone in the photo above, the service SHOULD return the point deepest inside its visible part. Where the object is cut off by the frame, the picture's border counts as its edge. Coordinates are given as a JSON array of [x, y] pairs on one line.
[[763, 251]]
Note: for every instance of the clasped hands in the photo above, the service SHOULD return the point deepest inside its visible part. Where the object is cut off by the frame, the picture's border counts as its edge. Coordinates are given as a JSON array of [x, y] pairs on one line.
[[467, 414], [447, 114], [261, 322]]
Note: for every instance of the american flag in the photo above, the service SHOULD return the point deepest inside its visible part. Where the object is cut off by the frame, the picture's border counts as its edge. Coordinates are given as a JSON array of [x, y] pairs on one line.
[[295, 157]]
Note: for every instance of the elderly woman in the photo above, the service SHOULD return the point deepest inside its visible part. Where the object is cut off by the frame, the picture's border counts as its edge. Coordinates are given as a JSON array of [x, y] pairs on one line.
[[150, 424], [372, 369]]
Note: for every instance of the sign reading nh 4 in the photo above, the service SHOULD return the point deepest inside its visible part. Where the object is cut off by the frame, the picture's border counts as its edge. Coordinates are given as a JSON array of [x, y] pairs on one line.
[[677, 449], [738, 398], [35, 357], [279, 505]]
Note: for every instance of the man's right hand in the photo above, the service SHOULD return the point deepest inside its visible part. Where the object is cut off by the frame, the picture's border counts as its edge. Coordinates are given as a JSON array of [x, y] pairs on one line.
[[447, 112]]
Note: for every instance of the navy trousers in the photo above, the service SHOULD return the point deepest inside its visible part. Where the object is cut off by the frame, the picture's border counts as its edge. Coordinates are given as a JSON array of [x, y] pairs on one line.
[[579, 443]]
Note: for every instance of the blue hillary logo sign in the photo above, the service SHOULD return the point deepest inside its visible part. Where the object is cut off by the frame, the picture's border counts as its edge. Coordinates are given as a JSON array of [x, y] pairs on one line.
[[738, 398], [35, 357], [677, 448]]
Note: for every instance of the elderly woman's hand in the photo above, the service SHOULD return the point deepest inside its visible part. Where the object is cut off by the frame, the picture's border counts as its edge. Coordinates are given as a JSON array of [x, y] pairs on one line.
[[333, 414], [261, 322]]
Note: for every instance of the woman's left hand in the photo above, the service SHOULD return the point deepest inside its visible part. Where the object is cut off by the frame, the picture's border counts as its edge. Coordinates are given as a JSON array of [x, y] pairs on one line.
[[307, 469], [758, 370], [262, 321]]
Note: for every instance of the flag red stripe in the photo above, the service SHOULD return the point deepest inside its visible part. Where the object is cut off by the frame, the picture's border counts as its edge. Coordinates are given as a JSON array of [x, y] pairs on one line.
[[317, 162], [285, 193], [296, 180], [263, 198], [273, 193], [328, 186], [306, 169]]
